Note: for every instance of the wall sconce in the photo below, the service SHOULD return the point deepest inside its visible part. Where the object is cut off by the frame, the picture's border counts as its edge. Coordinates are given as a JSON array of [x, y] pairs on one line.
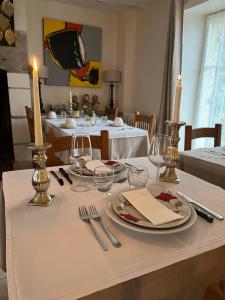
[[111, 76]]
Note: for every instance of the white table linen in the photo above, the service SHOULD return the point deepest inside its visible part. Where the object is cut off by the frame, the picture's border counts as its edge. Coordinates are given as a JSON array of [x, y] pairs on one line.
[[52, 254], [123, 142], [205, 165]]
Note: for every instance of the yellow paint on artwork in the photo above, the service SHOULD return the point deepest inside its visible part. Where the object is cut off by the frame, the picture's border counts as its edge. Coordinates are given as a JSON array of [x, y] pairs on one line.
[[73, 81], [51, 25]]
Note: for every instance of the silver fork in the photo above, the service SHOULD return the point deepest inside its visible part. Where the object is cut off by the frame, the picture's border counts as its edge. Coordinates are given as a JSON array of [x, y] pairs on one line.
[[96, 216], [84, 215]]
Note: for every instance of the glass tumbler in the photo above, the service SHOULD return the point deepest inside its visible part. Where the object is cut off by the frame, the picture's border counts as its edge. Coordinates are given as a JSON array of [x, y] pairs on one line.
[[103, 179], [63, 114], [138, 177]]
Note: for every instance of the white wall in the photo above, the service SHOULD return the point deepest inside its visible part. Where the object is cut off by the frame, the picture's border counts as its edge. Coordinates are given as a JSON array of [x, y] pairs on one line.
[[37, 10], [144, 57], [20, 16], [127, 35], [134, 42]]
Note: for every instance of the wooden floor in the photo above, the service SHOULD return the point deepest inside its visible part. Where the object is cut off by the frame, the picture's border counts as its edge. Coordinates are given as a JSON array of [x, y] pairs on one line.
[[215, 291]]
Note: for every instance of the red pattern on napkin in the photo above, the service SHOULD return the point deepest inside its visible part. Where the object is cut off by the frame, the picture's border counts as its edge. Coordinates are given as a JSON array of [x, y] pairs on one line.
[[130, 217], [110, 162], [165, 197]]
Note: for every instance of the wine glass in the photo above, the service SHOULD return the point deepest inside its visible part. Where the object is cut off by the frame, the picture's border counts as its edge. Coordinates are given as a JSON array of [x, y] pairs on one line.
[[80, 153], [158, 149], [103, 179]]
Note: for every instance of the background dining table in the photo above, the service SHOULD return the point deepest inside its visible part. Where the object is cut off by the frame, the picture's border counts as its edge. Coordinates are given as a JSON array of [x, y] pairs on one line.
[[205, 163], [52, 254], [124, 142]]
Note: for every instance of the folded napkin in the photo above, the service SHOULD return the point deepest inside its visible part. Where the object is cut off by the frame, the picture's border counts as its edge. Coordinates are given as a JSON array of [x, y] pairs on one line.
[[150, 207], [92, 164]]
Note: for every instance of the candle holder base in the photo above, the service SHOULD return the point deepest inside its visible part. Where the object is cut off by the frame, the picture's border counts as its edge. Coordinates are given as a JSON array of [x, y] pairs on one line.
[[169, 176], [41, 199], [40, 178], [172, 156]]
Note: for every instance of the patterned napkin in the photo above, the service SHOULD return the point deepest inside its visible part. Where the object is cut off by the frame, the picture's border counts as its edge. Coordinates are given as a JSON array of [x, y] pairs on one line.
[[150, 207]]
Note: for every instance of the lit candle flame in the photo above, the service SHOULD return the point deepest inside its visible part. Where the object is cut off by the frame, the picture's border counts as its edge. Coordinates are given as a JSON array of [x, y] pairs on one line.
[[35, 64], [179, 78]]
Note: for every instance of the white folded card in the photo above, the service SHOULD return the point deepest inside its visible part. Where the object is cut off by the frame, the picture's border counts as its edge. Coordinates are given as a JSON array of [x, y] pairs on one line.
[[150, 207], [92, 164]]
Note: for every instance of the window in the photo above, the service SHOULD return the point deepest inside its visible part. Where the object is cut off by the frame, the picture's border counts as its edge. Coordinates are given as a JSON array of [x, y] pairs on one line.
[[211, 94]]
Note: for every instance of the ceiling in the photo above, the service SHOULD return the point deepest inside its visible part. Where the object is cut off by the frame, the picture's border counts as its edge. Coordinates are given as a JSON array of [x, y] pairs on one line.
[[208, 7], [106, 4]]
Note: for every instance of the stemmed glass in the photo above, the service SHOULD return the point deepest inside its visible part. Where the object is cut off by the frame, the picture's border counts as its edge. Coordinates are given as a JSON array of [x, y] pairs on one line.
[[80, 153], [158, 150]]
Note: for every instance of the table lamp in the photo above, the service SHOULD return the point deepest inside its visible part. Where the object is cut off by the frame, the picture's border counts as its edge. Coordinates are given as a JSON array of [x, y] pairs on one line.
[[42, 75], [111, 76]]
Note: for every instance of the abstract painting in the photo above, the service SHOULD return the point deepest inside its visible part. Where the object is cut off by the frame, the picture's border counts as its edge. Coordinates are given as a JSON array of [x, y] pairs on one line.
[[72, 53]]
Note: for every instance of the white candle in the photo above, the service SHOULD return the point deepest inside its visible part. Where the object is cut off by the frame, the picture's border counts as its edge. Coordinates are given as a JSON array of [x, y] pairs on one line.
[[176, 114], [71, 100], [37, 113]]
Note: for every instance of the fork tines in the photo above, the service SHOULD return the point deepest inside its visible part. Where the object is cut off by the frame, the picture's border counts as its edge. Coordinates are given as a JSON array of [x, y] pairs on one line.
[[92, 210], [83, 211]]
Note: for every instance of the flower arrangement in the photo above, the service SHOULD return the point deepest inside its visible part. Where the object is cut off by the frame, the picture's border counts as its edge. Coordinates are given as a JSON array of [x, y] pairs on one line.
[[86, 105], [75, 103]]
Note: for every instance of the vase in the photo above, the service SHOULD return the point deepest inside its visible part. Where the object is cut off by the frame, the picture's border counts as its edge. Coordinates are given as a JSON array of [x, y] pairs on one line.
[[76, 114], [91, 120]]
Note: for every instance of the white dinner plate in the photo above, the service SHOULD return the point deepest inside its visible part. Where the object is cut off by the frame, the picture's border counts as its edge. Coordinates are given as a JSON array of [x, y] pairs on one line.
[[112, 215], [120, 171], [130, 214]]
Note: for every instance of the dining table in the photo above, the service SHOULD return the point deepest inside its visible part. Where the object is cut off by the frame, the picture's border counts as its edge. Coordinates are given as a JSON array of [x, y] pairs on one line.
[[124, 141], [205, 163], [50, 253]]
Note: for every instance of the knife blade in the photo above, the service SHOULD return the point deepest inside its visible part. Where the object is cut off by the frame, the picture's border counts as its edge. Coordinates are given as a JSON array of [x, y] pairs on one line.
[[65, 175], [213, 213], [60, 180]]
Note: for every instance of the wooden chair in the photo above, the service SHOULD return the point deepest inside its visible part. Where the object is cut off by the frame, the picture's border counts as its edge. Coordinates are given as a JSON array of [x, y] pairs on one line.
[[30, 120], [146, 122], [111, 113], [63, 143], [206, 132], [128, 118]]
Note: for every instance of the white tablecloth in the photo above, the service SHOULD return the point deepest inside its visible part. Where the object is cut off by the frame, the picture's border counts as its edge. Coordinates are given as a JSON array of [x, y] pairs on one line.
[[124, 142], [206, 165], [51, 254]]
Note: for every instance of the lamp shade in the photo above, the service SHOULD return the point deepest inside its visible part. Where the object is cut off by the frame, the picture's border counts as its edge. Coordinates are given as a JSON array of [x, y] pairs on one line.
[[112, 76], [43, 72]]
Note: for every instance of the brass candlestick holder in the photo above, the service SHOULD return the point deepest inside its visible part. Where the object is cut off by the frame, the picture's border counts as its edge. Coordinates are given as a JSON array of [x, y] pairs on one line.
[[40, 178], [172, 156]]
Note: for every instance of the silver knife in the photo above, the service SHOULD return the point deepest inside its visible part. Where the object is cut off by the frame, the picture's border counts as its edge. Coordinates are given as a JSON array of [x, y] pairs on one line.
[[189, 200]]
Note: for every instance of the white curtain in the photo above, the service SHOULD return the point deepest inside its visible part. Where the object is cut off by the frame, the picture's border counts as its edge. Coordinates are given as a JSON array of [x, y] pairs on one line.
[[211, 94]]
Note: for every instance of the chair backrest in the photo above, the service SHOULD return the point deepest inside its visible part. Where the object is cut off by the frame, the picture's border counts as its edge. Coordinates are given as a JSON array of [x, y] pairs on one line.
[[111, 113], [63, 143], [146, 122], [128, 118], [190, 134], [30, 121]]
